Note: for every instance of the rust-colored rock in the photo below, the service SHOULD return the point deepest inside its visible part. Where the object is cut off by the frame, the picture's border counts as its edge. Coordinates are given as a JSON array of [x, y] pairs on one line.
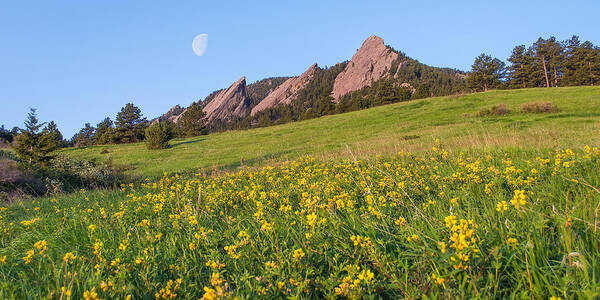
[[228, 104], [287, 91], [370, 63]]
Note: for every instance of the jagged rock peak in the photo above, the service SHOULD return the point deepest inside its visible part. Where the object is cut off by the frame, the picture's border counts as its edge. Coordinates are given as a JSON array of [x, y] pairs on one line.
[[287, 91], [229, 103], [370, 63], [170, 115]]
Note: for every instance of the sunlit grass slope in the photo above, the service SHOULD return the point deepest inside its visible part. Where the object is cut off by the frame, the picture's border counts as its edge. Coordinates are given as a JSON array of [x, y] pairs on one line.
[[408, 126]]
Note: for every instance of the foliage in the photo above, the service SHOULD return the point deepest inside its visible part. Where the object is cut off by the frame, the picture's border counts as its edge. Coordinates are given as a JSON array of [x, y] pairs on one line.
[[74, 174], [496, 110], [130, 125], [435, 225], [486, 73], [158, 135], [5, 135], [550, 63], [192, 121], [257, 91], [422, 91], [60, 174], [85, 136], [34, 145], [52, 137], [440, 81], [538, 107], [104, 132]]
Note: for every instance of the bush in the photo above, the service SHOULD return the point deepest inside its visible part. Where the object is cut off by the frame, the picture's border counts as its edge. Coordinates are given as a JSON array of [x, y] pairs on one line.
[[74, 173], [538, 107], [158, 135], [61, 174], [496, 110]]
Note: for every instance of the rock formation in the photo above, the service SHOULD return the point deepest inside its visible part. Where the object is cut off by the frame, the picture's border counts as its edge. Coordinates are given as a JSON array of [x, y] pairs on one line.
[[370, 63], [287, 91], [172, 113], [230, 103]]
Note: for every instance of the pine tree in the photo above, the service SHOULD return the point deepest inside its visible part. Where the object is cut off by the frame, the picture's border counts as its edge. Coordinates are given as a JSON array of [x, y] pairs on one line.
[[581, 63], [520, 69], [385, 92], [591, 63], [52, 137], [5, 135], [486, 73], [422, 91], [325, 105], [157, 135], [544, 57], [554, 50], [130, 124], [85, 136], [31, 146], [192, 121], [104, 132]]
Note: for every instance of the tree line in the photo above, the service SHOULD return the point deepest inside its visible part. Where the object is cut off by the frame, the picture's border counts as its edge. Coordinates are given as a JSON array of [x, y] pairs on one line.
[[545, 63], [130, 126]]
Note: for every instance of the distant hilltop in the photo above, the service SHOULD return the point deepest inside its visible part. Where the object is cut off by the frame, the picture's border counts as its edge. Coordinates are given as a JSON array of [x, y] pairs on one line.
[[323, 89]]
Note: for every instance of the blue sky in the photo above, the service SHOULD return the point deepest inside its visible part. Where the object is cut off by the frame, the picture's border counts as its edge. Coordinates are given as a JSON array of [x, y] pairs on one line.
[[81, 61]]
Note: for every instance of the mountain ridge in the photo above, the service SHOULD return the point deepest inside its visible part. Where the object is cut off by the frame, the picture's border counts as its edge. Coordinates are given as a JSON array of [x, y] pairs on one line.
[[373, 62]]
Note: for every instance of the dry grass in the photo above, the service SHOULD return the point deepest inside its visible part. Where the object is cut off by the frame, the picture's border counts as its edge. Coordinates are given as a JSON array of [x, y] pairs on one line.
[[538, 107]]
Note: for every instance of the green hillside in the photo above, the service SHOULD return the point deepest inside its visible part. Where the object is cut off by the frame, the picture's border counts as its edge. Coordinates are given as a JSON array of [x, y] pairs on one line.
[[515, 216], [407, 126]]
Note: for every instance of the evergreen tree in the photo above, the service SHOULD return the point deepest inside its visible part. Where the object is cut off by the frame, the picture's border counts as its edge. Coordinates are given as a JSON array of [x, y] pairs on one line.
[[31, 146], [554, 50], [386, 93], [130, 124], [422, 91], [104, 132], [158, 135], [581, 63], [404, 93], [85, 136], [264, 119], [520, 69], [5, 135], [325, 105], [192, 121], [542, 55], [52, 137], [486, 73]]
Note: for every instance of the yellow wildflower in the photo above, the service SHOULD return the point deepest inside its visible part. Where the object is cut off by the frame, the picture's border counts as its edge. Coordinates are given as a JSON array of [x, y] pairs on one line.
[[298, 254]]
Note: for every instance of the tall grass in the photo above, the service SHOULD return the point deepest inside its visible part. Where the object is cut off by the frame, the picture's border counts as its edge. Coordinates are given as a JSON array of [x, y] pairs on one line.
[[487, 224]]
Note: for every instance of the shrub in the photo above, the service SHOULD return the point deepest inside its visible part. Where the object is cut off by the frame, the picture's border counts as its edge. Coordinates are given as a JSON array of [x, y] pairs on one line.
[[158, 135], [496, 110], [61, 174], [74, 173], [538, 107]]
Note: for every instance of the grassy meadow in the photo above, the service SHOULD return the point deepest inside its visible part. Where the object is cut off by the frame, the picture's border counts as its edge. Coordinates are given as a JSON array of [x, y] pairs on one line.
[[410, 200], [408, 126]]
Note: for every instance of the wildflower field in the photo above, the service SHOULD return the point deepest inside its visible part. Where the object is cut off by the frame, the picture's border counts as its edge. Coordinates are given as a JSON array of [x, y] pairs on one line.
[[476, 224]]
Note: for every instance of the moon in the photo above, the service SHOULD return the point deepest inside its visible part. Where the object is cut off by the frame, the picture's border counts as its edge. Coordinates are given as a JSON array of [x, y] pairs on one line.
[[199, 44]]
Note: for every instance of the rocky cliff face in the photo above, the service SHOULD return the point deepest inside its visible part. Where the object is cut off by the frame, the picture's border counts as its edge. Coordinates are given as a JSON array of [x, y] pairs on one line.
[[370, 63], [229, 104], [287, 91], [172, 115]]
